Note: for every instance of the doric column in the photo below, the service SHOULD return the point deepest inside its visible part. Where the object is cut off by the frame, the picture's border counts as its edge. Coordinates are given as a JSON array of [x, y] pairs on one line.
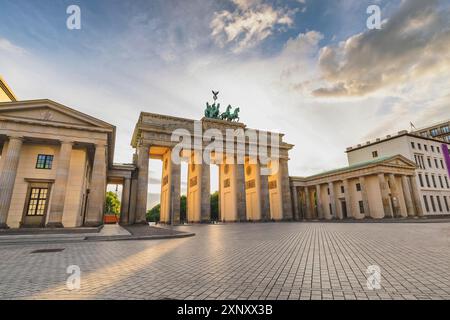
[[265, 202], [332, 199], [175, 192], [241, 205], [125, 204], [384, 196], [8, 177], [410, 210], [308, 204], [143, 153], [60, 190], [416, 196], [285, 189], [348, 199], [205, 214], [395, 195], [133, 199], [364, 196], [97, 189], [319, 202], [294, 196]]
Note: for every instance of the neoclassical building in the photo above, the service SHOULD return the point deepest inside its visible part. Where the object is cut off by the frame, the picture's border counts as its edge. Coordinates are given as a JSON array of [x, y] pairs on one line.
[[56, 162], [53, 166], [382, 188]]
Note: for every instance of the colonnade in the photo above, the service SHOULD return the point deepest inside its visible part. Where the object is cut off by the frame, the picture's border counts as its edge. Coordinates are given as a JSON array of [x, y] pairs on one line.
[[381, 195]]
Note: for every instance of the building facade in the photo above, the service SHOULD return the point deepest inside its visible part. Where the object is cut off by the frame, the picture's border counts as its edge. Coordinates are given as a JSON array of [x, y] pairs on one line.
[[439, 130], [431, 157], [53, 165]]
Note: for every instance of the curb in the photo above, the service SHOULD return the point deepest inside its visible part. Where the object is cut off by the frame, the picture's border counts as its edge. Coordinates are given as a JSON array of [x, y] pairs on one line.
[[125, 238], [96, 238]]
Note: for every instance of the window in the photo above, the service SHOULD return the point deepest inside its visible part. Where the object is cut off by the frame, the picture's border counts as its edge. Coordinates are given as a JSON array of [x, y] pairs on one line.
[[374, 154], [342, 189], [440, 182], [421, 180], [361, 207], [432, 203], [358, 187], [44, 161], [415, 159], [429, 163], [428, 181], [445, 129], [438, 199], [37, 201], [434, 132], [328, 190], [425, 201], [432, 148], [413, 145], [442, 164], [434, 181], [331, 211], [438, 150], [425, 147], [419, 146], [446, 203], [447, 138], [446, 182], [436, 164]]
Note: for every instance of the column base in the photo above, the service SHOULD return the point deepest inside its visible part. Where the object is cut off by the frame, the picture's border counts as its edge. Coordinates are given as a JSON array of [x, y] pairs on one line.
[[93, 224], [4, 226], [54, 225], [143, 222]]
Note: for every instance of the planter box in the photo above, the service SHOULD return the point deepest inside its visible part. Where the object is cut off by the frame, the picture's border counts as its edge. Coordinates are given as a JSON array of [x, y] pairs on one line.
[[110, 219]]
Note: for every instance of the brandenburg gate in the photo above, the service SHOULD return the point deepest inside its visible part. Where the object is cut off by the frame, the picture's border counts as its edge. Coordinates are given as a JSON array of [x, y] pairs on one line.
[[253, 169]]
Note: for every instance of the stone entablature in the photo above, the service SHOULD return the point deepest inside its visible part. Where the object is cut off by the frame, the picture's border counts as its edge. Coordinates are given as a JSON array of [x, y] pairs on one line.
[[154, 128]]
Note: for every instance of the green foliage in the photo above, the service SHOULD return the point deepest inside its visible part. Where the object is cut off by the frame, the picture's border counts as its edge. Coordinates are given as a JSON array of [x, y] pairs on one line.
[[112, 203], [153, 213], [183, 209], [214, 206]]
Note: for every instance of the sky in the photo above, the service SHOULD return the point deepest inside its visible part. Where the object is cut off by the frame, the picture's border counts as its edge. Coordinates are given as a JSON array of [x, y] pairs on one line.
[[310, 69]]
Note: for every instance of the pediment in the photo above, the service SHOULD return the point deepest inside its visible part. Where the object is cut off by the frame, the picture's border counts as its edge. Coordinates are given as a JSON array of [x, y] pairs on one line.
[[400, 161], [51, 113]]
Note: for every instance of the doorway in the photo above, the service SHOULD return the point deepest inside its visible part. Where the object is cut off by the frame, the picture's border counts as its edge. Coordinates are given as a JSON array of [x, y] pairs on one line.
[[344, 209]]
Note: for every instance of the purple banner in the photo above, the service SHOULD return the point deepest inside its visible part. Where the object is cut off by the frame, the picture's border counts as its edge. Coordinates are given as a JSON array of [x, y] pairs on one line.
[[446, 157]]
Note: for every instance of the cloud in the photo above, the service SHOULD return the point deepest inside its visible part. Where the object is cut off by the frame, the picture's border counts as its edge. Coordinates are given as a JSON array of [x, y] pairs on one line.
[[413, 42], [250, 23], [8, 47]]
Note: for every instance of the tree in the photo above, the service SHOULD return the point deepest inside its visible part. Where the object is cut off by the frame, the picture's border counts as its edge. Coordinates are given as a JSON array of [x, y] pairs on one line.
[[183, 211], [112, 203], [214, 203], [154, 213]]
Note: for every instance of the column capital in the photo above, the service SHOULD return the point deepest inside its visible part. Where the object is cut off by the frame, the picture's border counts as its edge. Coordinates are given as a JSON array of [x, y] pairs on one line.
[[16, 137], [101, 144], [66, 141]]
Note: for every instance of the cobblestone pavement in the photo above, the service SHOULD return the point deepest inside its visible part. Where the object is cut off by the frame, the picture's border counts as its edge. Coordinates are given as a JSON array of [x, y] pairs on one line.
[[242, 261]]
